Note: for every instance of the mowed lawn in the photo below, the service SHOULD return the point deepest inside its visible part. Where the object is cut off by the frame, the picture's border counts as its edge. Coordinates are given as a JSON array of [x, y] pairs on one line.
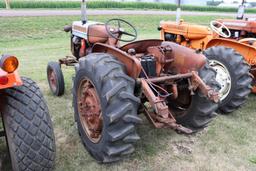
[[229, 143]]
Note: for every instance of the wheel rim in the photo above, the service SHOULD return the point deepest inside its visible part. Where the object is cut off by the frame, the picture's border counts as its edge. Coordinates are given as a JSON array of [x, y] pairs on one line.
[[222, 77], [89, 110], [52, 80]]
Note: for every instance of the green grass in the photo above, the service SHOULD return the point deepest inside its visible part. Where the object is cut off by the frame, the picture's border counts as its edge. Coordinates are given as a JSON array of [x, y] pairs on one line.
[[227, 144], [113, 4], [253, 159]]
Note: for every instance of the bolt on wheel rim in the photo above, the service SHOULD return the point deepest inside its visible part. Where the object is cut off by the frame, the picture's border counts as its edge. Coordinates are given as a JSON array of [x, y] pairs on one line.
[[89, 110], [222, 77]]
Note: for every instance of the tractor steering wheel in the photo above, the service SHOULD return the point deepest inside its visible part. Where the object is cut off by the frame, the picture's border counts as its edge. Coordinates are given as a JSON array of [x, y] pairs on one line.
[[219, 30], [116, 28]]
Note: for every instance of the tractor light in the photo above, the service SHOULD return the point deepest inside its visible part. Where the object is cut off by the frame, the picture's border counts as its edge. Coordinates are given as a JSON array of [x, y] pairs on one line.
[[9, 63]]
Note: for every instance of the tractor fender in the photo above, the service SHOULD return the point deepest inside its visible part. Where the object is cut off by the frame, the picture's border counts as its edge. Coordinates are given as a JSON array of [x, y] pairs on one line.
[[132, 64], [246, 50]]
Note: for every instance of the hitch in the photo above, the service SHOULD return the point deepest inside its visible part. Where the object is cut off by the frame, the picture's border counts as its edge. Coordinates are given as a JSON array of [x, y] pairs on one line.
[[161, 117]]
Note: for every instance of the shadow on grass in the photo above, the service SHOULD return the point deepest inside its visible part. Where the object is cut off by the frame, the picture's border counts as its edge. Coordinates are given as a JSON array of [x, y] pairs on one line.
[[152, 140], [5, 161]]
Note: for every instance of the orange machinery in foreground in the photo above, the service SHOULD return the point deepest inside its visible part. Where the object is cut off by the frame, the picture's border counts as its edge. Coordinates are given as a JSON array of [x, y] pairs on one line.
[[24, 116]]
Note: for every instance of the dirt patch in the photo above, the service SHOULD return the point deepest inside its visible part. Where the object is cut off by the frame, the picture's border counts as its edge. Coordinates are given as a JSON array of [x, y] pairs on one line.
[[60, 136], [183, 146], [67, 141]]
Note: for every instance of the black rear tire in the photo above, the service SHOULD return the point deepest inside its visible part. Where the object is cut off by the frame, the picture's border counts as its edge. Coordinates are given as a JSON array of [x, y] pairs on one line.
[[28, 128], [118, 106], [239, 73], [58, 87], [199, 111]]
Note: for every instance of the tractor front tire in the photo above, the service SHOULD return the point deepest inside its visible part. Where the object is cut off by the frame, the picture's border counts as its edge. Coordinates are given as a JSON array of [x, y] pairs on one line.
[[28, 128], [105, 76], [55, 78], [233, 74]]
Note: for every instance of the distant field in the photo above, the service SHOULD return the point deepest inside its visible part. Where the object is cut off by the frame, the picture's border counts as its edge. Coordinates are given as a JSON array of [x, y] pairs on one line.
[[228, 144], [114, 4]]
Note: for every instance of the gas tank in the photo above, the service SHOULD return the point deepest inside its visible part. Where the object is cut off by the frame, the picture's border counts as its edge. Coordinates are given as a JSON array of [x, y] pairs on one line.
[[188, 30], [184, 59]]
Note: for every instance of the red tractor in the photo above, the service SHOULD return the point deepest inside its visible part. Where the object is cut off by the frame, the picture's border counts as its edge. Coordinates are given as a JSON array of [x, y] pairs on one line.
[[173, 85], [26, 121], [241, 27]]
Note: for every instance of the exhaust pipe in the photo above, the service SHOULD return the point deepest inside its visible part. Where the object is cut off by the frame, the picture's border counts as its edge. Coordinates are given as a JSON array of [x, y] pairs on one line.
[[178, 12], [83, 12], [241, 11]]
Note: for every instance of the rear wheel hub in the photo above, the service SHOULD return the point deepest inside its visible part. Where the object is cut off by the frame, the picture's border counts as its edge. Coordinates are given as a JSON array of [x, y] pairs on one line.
[[89, 110], [53, 80], [222, 77]]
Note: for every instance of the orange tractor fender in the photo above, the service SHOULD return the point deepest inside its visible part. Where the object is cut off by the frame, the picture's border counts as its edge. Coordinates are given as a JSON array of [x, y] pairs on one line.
[[246, 50]]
